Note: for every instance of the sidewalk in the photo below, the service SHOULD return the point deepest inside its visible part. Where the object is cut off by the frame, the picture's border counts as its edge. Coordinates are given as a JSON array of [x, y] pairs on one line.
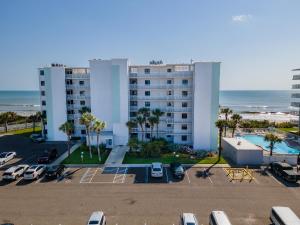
[[116, 156]]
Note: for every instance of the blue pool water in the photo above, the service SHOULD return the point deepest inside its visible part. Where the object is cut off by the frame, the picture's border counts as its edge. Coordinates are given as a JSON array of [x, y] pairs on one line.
[[281, 148]]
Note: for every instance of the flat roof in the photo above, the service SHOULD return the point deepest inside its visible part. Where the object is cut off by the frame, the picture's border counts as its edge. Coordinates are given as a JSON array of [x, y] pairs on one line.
[[240, 143]]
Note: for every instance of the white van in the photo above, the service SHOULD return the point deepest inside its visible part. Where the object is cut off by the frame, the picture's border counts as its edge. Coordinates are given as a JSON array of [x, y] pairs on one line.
[[218, 218], [283, 216]]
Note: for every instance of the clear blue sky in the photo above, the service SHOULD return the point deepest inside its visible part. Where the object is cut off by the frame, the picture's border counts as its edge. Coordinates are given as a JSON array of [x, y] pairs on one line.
[[257, 41]]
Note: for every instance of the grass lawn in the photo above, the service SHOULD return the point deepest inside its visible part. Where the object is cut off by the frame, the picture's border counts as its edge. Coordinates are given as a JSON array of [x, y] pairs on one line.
[[291, 130], [25, 132], [169, 157], [75, 157]]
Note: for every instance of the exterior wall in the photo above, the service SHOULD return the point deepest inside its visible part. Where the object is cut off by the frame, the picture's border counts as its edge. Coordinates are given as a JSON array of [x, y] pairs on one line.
[[109, 94], [55, 98], [205, 105], [288, 158]]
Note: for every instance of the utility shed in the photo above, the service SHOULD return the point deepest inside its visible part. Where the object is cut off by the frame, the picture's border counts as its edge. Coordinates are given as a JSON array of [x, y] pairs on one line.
[[242, 152]]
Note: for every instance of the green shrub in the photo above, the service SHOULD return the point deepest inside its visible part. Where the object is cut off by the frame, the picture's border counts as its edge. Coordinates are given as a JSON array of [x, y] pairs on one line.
[[284, 125]]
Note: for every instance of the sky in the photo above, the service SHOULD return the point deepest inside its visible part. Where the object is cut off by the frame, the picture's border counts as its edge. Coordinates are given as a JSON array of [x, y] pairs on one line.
[[256, 41]]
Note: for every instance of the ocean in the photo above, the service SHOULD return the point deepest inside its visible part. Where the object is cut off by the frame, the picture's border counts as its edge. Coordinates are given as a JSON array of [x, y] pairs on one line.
[[239, 101]]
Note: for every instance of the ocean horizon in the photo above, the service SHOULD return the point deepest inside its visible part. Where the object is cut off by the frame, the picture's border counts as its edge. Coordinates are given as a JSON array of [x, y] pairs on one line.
[[237, 100]]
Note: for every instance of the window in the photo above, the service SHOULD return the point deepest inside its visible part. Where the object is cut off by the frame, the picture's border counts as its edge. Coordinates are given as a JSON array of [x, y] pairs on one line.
[[133, 81], [147, 93], [69, 71], [184, 127], [70, 111], [82, 92], [69, 92], [147, 71], [184, 93], [169, 125], [147, 82], [184, 104], [83, 132], [42, 72], [70, 102], [133, 103], [169, 81], [82, 102], [169, 104], [44, 113], [184, 116], [185, 81], [43, 102], [183, 138], [169, 93], [169, 114], [81, 82], [147, 104], [45, 131], [133, 92], [42, 83], [147, 125], [148, 135], [42, 93], [169, 70], [69, 82], [133, 114]]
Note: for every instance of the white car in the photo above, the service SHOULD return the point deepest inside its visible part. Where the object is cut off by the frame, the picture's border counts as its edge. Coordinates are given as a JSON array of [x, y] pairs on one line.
[[14, 172], [189, 219], [34, 172], [97, 218], [157, 170], [6, 156]]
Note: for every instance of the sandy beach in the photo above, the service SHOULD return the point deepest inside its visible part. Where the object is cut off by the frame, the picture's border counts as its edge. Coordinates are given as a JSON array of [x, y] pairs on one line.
[[274, 117]]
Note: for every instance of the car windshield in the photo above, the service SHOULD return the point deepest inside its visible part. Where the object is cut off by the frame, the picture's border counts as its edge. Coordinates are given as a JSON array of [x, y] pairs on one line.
[[179, 169], [157, 169], [52, 168], [29, 172], [94, 222], [190, 223], [2, 155]]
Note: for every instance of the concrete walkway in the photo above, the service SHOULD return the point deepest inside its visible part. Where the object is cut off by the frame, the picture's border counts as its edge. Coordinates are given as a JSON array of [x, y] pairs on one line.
[[116, 156]]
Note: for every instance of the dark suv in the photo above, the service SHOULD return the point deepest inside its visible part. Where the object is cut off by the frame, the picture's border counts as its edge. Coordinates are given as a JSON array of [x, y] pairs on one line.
[[48, 156], [177, 170], [54, 171], [285, 170]]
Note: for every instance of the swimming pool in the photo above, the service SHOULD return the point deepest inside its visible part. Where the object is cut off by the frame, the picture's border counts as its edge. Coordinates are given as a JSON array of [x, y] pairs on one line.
[[281, 148]]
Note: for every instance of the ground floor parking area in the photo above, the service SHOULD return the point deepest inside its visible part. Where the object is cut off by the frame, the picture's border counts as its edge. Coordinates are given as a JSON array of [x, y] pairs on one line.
[[130, 196]]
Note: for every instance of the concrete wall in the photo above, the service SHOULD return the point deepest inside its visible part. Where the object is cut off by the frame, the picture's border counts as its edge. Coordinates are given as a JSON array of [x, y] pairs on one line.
[[288, 158], [206, 104], [109, 95]]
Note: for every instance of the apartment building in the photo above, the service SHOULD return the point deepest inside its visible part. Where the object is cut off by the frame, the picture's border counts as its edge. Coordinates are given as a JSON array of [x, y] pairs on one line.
[[188, 94]]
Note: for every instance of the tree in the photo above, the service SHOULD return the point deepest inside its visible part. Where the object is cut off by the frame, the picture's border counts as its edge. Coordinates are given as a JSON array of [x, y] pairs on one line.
[[235, 120], [273, 139], [145, 113], [35, 118], [226, 112], [87, 120], [157, 113], [140, 121], [131, 124], [220, 124], [84, 109], [98, 126], [68, 129], [133, 144], [6, 118], [152, 121]]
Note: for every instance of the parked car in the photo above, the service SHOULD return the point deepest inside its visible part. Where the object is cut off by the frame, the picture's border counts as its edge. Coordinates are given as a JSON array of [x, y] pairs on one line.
[[14, 172], [177, 170], [6, 156], [283, 216], [48, 156], [97, 218], [54, 171], [157, 170], [218, 218], [37, 138], [189, 219], [286, 171], [34, 172]]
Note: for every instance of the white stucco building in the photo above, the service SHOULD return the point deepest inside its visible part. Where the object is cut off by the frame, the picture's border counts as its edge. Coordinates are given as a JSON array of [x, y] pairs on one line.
[[114, 89]]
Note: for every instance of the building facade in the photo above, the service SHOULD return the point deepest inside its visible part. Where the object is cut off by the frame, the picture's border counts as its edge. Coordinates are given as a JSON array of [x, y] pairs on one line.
[[114, 90]]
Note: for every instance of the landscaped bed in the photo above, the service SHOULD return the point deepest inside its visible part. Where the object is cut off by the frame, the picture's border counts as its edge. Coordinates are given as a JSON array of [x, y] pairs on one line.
[[75, 157], [134, 158]]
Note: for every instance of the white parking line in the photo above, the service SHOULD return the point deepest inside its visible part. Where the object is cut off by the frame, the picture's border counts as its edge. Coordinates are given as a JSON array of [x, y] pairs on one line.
[[93, 175], [210, 179], [167, 175], [39, 179], [120, 175], [188, 177]]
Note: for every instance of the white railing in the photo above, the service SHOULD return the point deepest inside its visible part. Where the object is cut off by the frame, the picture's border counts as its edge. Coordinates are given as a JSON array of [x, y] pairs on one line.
[[162, 74], [159, 86]]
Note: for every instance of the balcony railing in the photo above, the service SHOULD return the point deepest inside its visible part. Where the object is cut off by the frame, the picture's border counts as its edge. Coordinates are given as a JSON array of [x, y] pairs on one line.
[[295, 95], [163, 74], [168, 97], [296, 77], [77, 86], [159, 86], [78, 97], [296, 86], [77, 76]]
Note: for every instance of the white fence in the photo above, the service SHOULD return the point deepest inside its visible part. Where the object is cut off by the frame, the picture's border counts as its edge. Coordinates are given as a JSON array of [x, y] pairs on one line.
[[288, 158]]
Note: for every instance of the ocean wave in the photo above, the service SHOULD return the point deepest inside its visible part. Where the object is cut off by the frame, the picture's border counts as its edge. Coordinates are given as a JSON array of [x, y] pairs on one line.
[[247, 106], [23, 105]]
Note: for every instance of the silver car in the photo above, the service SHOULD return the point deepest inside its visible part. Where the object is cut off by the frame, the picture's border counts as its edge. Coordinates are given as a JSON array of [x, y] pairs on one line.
[[34, 172], [6, 156], [14, 172]]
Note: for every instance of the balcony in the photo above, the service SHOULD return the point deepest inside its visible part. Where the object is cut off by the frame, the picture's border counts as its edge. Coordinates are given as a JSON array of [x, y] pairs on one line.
[[296, 86], [162, 74], [77, 86], [159, 86], [296, 77], [77, 76], [167, 97], [77, 97], [295, 95]]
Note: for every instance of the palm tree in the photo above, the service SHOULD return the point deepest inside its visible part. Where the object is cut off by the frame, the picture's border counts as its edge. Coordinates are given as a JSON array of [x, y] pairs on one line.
[[84, 109], [87, 120], [152, 121], [226, 112], [145, 113], [140, 121], [7, 117], [273, 139], [68, 129], [98, 126], [220, 124], [235, 120], [35, 118], [157, 113], [131, 124]]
